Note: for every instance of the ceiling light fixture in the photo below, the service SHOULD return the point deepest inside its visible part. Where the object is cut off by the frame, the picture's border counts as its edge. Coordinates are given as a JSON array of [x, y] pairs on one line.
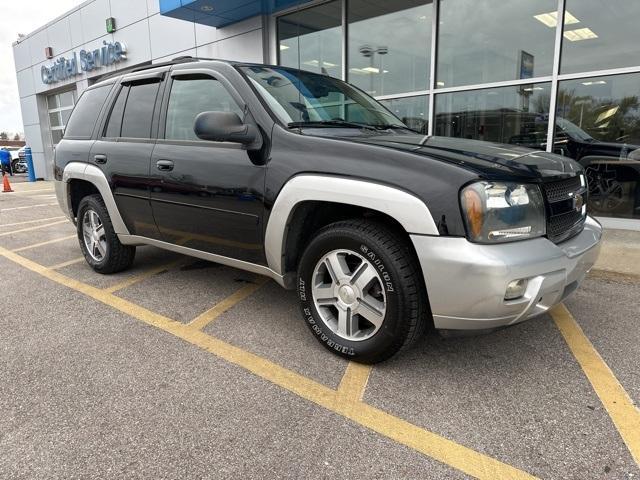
[[551, 19], [206, 8], [597, 82], [580, 34]]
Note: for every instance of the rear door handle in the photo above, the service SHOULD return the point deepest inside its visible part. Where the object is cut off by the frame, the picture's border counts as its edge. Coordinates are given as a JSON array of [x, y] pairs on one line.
[[100, 159], [164, 165]]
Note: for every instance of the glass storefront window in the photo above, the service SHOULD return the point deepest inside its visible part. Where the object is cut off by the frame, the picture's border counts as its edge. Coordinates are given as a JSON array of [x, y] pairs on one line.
[[516, 115], [389, 45], [413, 111], [598, 124], [494, 40], [600, 34], [311, 39]]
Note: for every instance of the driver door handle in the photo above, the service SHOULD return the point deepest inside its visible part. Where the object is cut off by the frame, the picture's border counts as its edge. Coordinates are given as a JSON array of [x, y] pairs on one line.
[[164, 165], [101, 159]]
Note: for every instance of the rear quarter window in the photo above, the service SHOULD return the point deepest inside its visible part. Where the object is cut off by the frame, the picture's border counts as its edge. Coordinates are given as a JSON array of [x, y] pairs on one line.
[[85, 114]]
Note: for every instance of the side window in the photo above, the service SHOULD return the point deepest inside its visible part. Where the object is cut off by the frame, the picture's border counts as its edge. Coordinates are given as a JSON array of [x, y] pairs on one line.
[[114, 126], [85, 114], [138, 111], [190, 96]]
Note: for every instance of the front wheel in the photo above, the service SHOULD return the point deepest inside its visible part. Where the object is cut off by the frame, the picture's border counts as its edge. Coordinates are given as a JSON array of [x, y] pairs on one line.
[[99, 243], [360, 291]]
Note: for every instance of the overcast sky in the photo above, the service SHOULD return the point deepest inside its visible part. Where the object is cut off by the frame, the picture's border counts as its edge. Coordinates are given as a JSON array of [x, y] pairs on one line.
[[22, 16]]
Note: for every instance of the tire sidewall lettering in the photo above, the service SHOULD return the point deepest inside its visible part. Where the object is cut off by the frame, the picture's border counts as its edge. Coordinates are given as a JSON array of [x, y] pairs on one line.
[[329, 339]]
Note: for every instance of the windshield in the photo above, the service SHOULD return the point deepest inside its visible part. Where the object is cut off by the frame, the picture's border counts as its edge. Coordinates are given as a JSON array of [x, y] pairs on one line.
[[300, 98], [572, 130]]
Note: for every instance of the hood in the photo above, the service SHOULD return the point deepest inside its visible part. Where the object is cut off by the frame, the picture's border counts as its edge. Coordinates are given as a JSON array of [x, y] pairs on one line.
[[491, 160]]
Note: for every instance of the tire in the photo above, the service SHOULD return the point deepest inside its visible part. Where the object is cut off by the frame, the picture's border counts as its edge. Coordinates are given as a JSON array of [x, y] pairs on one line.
[[385, 301], [103, 251]]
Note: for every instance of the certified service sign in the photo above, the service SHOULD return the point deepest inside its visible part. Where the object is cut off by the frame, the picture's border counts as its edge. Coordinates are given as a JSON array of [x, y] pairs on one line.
[[64, 68]]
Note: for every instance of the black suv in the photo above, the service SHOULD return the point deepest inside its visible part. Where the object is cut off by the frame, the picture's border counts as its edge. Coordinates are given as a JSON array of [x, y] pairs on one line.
[[306, 179]]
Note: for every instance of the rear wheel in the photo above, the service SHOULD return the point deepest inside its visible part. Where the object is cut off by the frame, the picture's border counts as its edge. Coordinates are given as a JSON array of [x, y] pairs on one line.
[[360, 291], [98, 240]]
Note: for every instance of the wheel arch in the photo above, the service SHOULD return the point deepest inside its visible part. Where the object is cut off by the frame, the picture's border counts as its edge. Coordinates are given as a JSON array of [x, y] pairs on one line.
[[82, 179], [308, 202]]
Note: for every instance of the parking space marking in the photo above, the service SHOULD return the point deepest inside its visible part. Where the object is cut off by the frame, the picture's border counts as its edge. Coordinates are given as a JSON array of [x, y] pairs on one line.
[[28, 206], [428, 443], [354, 381], [28, 191], [144, 275], [210, 315], [42, 244], [68, 263], [29, 229], [17, 224], [624, 414]]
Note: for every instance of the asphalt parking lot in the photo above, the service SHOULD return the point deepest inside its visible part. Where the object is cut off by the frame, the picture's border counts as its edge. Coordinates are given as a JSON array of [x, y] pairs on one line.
[[180, 368]]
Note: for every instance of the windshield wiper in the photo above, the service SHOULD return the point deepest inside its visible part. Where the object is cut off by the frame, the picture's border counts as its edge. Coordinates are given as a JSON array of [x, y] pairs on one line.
[[331, 123], [395, 126]]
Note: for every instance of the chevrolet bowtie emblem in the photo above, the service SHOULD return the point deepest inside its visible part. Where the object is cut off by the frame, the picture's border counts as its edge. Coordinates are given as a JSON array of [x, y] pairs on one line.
[[578, 202]]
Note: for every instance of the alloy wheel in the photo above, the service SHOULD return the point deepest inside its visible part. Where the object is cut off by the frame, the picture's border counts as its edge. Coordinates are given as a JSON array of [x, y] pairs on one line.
[[349, 295], [94, 235]]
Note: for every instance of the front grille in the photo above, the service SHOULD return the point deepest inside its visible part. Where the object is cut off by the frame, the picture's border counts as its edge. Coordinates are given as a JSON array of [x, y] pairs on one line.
[[562, 190], [562, 224], [564, 220]]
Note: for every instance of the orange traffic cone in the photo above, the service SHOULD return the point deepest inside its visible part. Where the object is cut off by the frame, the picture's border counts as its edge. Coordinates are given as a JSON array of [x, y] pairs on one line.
[[6, 186]]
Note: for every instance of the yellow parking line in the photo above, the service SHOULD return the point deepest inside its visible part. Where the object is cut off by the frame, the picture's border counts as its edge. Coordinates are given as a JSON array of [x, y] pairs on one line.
[[31, 221], [29, 229], [68, 263], [354, 381], [144, 275], [431, 444], [614, 398], [210, 315], [42, 244]]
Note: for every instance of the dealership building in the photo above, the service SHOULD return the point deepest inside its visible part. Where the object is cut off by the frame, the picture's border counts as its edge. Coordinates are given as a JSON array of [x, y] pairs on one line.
[[555, 75]]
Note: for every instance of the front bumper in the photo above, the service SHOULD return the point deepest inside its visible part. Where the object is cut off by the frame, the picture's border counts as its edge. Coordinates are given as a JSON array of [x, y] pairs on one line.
[[466, 282]]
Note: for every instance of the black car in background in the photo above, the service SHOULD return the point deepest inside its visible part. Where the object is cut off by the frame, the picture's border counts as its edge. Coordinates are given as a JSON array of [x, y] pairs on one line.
[[612, 168]]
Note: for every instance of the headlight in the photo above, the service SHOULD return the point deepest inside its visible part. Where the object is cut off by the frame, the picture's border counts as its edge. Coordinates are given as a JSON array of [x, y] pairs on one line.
[[502, 212]]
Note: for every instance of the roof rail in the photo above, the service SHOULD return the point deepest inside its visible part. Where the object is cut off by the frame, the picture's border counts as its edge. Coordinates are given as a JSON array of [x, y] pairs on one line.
[[175, 61]]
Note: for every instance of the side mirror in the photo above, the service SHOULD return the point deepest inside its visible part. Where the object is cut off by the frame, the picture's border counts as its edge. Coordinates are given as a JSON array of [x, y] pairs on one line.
[[226, 127]]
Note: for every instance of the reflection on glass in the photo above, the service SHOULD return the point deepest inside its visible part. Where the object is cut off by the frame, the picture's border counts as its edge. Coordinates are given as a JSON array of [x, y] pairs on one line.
[[517, 115], [52, 102], [56, 136], [311, 39], [54, 119], [494, 40], [413, 111], [389, 45], [602, 34], [66, 99], [598, 124], [299, 98]]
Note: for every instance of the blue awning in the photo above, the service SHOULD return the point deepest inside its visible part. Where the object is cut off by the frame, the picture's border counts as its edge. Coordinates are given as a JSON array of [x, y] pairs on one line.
[[219, 13]]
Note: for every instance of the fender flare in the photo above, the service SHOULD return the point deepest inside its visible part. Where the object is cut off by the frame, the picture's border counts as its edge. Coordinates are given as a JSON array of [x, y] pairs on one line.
[[408, 210], [95, 176]]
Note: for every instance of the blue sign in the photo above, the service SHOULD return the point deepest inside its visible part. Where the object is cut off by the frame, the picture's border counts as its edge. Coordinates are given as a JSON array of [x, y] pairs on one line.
[[88, 60]]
